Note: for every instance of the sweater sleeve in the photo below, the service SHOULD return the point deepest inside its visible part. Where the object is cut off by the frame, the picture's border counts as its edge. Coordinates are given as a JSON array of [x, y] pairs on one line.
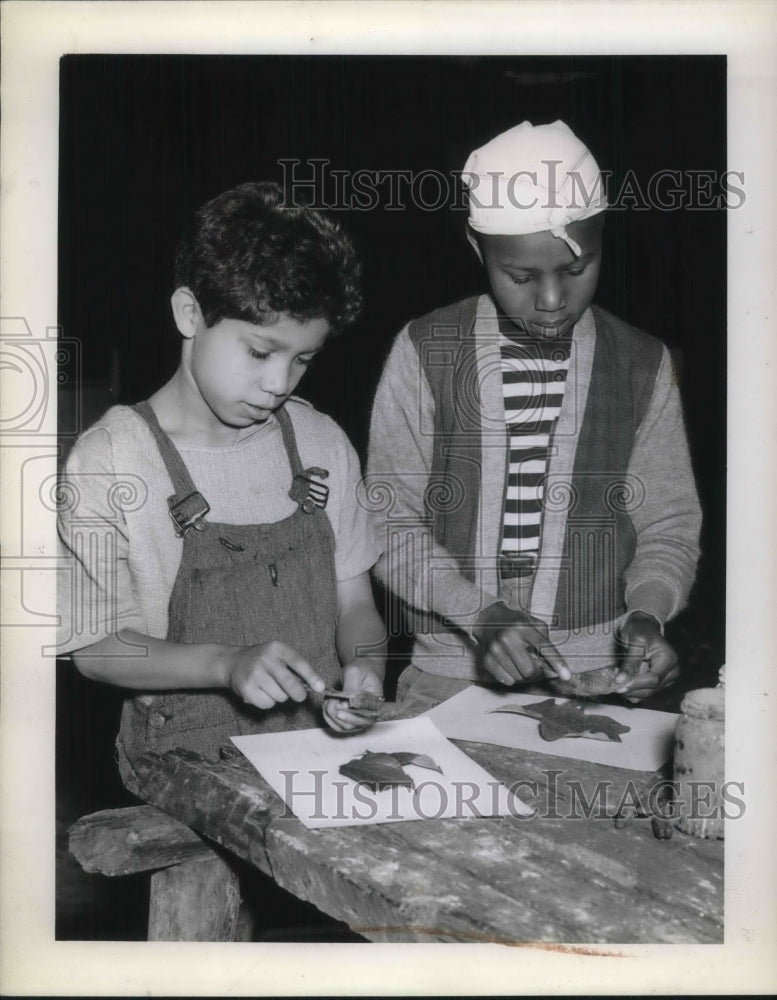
[[413, 566], [95, 594], [668, 520]]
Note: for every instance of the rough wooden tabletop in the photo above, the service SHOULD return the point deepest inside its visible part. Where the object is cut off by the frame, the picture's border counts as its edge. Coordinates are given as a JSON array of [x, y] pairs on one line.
[[556, 877]]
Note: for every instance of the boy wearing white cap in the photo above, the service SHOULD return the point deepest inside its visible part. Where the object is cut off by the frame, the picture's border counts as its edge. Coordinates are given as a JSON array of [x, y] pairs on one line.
[[528, 454]]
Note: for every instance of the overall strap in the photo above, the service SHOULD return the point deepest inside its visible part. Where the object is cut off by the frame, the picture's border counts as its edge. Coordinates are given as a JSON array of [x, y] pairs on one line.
[[305, 491], [289, 441], [187, 505]]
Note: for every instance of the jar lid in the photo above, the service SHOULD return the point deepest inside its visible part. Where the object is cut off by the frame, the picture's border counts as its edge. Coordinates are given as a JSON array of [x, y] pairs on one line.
[[704, 703]]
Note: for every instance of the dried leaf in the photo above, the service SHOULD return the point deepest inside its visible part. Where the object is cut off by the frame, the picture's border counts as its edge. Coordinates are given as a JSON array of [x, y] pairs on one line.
[[358, 701], [568, 719], [377, 771], [419, 759], [365, 702], [384, 770], [590, 684], [602, 727]]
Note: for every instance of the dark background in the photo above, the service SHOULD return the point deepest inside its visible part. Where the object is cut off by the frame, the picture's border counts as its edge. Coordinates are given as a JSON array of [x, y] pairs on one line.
[[144, 140]]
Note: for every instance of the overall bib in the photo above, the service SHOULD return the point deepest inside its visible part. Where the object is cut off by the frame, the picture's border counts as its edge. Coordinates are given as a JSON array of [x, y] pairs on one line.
[[239, 585]]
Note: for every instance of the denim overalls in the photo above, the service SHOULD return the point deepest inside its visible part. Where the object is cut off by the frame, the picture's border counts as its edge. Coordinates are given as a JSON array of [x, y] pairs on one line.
[[239, 585]]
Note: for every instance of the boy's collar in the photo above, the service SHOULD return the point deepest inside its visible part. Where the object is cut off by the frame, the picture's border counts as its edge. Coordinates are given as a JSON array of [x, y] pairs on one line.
[[271, 421], [512, 331], [487, 323], [298, 399]]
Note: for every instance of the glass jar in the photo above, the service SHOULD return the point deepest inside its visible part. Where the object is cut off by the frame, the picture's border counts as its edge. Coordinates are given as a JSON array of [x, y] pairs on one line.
[[699, 765]]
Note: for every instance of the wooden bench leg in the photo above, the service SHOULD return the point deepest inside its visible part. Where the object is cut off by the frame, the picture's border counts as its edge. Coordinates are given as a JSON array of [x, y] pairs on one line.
[[195, 893], [198, 901]]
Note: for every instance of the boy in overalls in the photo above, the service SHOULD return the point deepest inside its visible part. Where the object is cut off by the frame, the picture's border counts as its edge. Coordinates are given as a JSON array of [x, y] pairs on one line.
[[214, 532], [542, 521]]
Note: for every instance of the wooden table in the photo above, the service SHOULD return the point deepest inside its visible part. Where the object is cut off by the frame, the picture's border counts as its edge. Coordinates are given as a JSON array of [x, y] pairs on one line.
[[504, 880]]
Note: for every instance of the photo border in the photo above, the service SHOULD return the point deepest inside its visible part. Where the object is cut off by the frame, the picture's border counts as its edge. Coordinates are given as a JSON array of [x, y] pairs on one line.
[[34, 36]]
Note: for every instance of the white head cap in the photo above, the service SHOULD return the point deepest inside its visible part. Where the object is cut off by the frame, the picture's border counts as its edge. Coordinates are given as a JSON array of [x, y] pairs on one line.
[[533, 179]]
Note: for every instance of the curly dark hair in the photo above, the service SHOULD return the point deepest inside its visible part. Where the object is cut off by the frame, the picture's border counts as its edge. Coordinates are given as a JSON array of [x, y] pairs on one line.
[[250, 255]]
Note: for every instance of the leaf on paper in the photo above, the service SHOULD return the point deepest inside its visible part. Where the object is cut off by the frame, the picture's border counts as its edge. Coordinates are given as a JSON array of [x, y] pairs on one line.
[[377, 771], [568, 719], [419, 759], [384, 770]]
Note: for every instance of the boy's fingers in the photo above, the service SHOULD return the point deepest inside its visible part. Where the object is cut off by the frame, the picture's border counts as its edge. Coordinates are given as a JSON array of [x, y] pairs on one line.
[[273, 686], [352, 720], [331, 719], [630, 669], [299, 666], [543, 657], [332, 716], [259, 698], [498, 663], [664, 680], [343, 720], [523, 653], [555, 661], [495, 668], [369, 683], [643, 685], [664, 662], [639, 694], [660, 666], [638, 684], [670, 677], [523, 661], [547, 663], [280, 676], [639, 689]]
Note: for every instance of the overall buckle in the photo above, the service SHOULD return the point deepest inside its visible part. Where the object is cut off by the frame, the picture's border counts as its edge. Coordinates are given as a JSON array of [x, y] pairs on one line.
[[188, 512], [517, 565], [309, 493]]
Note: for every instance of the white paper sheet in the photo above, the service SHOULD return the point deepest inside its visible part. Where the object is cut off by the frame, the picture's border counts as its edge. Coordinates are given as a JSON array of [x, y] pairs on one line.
[[646, 747], [302, 766]]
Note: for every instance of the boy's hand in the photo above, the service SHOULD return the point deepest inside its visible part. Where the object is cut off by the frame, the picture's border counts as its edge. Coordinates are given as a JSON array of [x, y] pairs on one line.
[[269, 673], [515, 647], [356, 677], [650, 663]]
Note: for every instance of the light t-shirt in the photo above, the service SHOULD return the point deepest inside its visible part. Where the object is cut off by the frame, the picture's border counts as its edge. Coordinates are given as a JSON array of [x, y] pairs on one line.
[[120, 552]]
